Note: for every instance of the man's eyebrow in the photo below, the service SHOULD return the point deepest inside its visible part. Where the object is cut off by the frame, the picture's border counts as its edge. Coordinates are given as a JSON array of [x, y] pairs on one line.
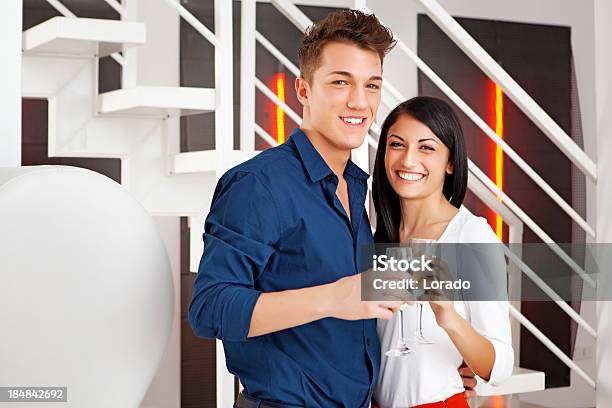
[[348, 74]]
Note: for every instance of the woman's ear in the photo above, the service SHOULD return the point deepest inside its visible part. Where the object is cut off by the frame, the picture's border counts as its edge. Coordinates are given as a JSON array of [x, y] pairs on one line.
[[450, 169], [302, 90]]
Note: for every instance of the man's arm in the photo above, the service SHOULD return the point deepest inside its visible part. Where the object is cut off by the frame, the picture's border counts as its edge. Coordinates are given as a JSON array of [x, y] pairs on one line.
[[342, 299], [241, 233]]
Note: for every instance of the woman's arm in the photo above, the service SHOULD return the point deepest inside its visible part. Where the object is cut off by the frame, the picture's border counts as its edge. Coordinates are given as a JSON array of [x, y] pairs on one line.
[[477, 351]]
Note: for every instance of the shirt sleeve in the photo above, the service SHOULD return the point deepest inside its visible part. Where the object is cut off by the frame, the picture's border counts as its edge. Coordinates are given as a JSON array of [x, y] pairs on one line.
[[491, 318], [240, 234]]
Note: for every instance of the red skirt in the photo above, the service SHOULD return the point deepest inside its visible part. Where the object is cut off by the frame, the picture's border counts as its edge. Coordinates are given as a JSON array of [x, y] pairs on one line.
[[456, 401]]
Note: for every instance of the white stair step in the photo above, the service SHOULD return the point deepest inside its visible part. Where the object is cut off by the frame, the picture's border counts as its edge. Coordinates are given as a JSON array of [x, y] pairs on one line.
[[74, 36], [208, 161], [522, 380], [157, 101]]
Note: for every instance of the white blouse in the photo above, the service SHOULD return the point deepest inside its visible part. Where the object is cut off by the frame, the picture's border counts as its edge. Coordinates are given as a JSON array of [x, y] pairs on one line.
[[429, 373]]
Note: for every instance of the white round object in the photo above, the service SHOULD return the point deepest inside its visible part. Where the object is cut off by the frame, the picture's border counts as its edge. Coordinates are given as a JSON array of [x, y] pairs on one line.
[[86, 292]]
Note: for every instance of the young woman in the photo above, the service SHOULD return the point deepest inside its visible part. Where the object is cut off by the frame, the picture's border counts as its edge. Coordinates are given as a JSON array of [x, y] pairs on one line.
[[420, 180]]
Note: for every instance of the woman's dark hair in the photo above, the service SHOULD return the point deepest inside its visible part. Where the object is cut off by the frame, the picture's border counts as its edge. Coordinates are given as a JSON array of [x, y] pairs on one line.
[[439, 117]]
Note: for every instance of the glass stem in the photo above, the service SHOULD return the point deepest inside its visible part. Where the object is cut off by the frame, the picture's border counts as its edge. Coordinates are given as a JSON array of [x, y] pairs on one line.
[[420, 320], [402, 336]]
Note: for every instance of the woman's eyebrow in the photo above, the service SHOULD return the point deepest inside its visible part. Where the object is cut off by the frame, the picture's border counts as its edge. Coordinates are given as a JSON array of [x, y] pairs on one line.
[[424, 140], [390, 136]]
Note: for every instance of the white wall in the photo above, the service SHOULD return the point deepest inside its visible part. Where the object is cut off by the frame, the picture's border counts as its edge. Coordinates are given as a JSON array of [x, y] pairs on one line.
[[603, 103], [10, 83]]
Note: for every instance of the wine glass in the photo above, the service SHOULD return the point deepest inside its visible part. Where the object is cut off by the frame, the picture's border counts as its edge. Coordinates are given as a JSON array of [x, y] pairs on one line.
[[421, 246], [401, 347]]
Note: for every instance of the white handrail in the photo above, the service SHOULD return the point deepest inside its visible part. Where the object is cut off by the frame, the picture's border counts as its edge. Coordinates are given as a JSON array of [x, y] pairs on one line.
[[302, 21], [530, 223], [56, 4], [510, 87], [550, 345], [194, 22]]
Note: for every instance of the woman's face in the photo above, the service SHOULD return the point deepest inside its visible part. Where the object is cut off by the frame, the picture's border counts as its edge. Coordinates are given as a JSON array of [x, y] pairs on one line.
[[416, 161]]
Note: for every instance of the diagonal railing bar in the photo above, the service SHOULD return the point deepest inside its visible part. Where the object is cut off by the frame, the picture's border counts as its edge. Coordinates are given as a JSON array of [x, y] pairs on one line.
[[550, 345], [500, 207], [268, 92], [397, 95], [550, 292], [194, 22], [277, 53], [510, 87], [292, 13], [529, 222], [265, 136], [59, 6], [116, 6]]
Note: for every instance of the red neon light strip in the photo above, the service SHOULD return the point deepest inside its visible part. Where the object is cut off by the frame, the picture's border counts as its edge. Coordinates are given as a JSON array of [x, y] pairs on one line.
[[280, 114], [499, 155]]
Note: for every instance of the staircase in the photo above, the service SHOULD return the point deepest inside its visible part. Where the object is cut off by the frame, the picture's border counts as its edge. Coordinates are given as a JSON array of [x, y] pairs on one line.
[[139, 123]]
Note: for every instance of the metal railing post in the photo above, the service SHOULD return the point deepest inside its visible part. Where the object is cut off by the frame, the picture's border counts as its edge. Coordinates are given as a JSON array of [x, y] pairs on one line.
[[247, 75], [224, 119]]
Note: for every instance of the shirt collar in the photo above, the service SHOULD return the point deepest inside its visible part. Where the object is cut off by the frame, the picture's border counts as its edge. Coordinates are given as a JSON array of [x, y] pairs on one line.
[[316, 167]]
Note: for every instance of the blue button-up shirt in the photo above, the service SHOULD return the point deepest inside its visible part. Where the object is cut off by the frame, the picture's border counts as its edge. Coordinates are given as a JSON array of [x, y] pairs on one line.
[[277, 224]]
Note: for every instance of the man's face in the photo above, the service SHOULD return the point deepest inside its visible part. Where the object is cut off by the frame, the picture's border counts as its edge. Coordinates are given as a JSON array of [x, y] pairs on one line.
[[341, 100]]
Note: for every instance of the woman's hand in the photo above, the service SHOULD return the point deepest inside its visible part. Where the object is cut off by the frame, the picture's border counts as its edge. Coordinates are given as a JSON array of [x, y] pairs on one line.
[[446, 315], [443, 308], [343, 301]]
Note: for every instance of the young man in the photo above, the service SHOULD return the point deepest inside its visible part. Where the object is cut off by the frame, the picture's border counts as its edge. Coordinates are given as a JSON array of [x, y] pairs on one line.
[[279, 279]]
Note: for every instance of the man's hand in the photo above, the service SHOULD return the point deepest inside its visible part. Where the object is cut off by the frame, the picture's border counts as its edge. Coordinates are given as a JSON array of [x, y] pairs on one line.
[[469, 380], [344, 302]]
